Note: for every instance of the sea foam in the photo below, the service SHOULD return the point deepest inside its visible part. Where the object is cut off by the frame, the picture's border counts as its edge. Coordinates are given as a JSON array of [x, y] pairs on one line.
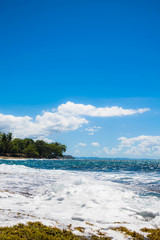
[[93, 200]]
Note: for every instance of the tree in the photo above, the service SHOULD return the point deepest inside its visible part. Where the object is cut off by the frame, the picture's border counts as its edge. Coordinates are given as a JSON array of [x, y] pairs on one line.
[[29, 148], [18, 146], [42, 148], [5, 143], [57, 149], [28, 141], [31, 151]]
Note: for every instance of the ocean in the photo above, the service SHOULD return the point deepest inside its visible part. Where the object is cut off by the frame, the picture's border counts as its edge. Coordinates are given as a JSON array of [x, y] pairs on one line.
[[94, 194]]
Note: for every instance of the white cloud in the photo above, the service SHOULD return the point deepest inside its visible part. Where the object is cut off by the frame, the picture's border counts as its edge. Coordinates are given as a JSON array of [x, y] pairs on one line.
[[92, 130], [112, 151], [95, 144], [97, 153], [77, 151], [81, 145], [106, 150], [67, 117], [43, 125], [137, 146], [89, 110], [45, 139]]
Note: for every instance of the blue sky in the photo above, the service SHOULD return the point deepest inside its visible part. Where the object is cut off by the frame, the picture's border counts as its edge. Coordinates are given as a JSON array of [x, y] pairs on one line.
[[98, 53]]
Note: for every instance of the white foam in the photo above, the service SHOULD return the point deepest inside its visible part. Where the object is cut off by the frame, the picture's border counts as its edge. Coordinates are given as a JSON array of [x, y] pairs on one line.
[[60, 198]]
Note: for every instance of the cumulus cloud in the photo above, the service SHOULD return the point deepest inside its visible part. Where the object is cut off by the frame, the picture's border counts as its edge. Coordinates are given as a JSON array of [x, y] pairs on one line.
[[97, 153], [89, 110], [81, 145], [137, 146], [43, 125], [92, 130], [95, 144], [111, 151], [67, 117], [44, 139]]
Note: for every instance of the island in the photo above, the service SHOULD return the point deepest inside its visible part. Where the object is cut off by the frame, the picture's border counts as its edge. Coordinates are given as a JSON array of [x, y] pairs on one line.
[[28, 148]]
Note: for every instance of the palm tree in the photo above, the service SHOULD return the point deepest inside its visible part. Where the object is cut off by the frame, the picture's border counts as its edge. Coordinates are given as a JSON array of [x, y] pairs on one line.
[[5, 142]]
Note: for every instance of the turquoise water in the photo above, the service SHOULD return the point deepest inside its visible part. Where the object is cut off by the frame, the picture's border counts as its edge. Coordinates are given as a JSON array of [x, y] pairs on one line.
[[101, 191], [149, 169], [101, 165]]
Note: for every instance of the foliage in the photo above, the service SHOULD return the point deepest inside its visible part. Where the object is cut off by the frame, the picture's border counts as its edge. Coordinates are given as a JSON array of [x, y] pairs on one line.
[[127, 232], [30, 151], [154, 234], [38, 231], [29, 148], [5, 142]]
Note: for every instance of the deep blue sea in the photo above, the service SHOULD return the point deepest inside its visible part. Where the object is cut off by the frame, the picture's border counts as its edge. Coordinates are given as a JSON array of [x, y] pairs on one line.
[[100, 165]]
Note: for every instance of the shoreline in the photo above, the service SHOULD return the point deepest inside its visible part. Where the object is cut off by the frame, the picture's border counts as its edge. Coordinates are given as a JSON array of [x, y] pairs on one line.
[[82, 202], [38, 229], [23, 158]]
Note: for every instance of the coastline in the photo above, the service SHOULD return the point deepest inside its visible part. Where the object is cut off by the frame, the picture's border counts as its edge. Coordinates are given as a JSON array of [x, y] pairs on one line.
[[36, 230], [12, 158], [85, 203], [23, 158]]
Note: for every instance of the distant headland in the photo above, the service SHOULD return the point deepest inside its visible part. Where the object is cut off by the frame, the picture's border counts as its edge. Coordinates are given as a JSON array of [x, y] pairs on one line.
[[17, 148]]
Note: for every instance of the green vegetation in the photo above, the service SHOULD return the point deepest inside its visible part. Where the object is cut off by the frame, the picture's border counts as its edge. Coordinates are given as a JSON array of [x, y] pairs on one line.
[[38, 231], [127, 232], [29, 148], [154, 234], [80, 229]]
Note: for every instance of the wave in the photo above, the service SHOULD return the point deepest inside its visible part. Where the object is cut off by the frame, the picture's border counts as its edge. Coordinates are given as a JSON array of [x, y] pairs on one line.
[[63, 197]]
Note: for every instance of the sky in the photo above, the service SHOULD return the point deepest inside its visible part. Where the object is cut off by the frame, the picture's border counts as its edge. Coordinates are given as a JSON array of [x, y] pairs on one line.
[[83, 73]]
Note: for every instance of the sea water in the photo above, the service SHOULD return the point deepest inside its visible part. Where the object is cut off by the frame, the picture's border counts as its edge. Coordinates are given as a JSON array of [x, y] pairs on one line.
[[94, 194]]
